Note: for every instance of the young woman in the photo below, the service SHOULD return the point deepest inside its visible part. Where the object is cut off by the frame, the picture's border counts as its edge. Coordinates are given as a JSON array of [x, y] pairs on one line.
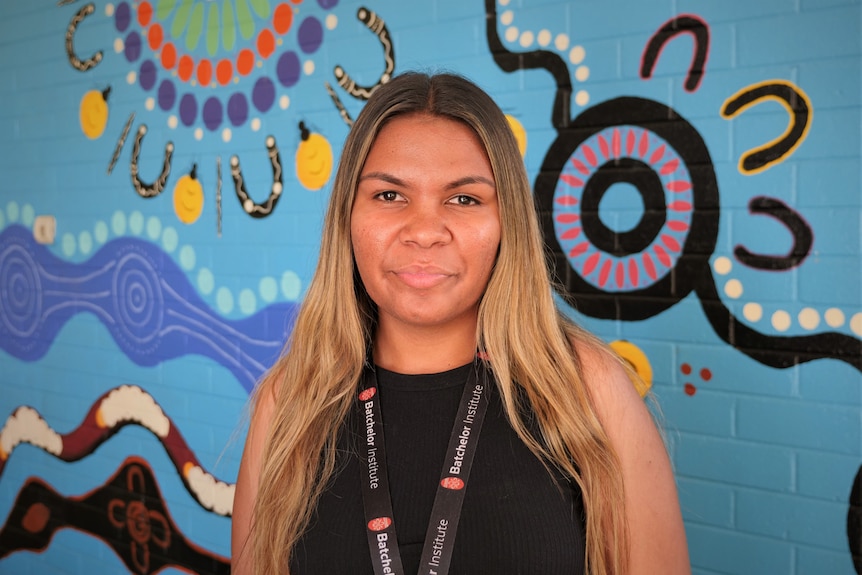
[[433, 410]]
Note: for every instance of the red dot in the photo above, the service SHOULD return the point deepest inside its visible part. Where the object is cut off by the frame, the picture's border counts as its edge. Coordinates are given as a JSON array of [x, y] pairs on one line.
[[245, 61], [690, 389], [145, 13], [169, 56], [685, 368], [265, 43], [705, 374], [282, 18], [186, 67], [205, 72], [296, 1], [224, 72], [379, 524], [155, 36]]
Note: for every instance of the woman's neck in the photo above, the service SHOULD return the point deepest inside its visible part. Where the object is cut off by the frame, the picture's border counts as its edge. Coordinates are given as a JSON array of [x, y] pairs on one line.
[[410, 350]]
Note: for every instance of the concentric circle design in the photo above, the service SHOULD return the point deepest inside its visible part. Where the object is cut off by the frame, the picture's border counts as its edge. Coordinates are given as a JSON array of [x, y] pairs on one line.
[[183, 47], [638, 273], [20, 291], [617, 262], [138, 522], [138, 299]]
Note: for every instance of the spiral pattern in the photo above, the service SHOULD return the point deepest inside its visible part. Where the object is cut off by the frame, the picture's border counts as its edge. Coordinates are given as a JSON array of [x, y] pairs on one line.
[[138, 300], [20, 291]]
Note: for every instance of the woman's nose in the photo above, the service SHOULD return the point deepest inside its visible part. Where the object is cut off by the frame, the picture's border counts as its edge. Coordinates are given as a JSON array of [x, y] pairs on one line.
[[425, 226]]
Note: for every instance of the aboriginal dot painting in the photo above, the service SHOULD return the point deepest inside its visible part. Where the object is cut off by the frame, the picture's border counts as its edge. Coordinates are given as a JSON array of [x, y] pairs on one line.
[[697, 172]]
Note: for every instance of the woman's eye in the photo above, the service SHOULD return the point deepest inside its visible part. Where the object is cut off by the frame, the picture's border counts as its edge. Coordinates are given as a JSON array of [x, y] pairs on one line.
[[465, 200], [388, 196]]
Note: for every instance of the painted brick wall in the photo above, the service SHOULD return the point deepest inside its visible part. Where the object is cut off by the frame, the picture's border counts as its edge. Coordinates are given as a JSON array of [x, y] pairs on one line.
[[129, 344]]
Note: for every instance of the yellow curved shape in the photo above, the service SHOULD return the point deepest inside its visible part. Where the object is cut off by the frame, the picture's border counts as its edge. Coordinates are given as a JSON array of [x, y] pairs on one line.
[[93, 114], [188, 199], [314, 162], [637, 359], [519, 132]]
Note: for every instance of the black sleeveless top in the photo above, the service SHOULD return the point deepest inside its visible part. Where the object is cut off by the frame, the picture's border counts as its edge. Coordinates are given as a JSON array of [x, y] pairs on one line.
[[517, 518]]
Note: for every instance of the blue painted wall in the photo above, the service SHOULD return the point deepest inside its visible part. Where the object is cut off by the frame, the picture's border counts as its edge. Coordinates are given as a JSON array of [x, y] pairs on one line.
[[698, 167]]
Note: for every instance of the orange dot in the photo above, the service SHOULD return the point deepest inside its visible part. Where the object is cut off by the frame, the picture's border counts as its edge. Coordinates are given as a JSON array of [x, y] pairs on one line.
[[155, 36], [224, 72], [705, 374], [169, 56], [205, 72], [265, 43], [186, 67], [282, 18], [145, 13], [690, 389], [245, 61], [296, 1], [685, 368]]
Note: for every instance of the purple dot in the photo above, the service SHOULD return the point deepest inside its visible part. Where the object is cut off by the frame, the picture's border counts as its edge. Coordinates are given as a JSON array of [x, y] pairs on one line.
[[287, 69], [237, 109], [263, 94], [188, 109], [133, 47], [147, 75], [212, 113], [167, 95], [310, 35], [122, 17], [327, 4]]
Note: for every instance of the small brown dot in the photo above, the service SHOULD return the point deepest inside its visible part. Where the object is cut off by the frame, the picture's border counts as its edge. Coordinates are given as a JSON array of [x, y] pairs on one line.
[[36, 518]]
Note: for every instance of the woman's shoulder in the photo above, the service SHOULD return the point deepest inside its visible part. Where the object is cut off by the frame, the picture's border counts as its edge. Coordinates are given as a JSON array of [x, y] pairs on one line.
[[613, 391], [652, 503], [603, 372]]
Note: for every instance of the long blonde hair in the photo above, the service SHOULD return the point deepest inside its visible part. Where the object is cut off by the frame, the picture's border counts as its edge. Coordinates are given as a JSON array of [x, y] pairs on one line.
[[529, 342]]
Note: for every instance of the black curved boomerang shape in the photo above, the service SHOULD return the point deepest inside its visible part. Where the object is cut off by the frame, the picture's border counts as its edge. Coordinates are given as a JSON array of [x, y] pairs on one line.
[[799, 109], [673, 27], [803, 237], [854, 522]]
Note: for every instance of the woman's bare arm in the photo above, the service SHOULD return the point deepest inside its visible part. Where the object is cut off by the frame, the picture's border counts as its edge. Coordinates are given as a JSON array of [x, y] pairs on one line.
[[246, 485], [656, 532]]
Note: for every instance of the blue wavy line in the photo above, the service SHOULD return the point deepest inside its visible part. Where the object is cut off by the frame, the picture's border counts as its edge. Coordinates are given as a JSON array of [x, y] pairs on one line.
[[140, 295]]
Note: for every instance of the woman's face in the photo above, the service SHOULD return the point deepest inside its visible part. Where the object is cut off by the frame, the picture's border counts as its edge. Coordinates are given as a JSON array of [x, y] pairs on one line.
[[425, 224]]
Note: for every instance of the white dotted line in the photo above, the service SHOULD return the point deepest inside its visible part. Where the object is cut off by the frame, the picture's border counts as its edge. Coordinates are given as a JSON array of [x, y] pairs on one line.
[[136, 225], [544, 38], [781, 320]]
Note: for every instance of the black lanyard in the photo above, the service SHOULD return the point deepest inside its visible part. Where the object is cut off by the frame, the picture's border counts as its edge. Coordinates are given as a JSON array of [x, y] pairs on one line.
[[443, 525]]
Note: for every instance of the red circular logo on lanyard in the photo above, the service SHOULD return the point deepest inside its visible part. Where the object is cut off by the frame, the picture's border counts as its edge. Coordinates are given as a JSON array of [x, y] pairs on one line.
[[379, 524], [367, 394], [454, 483]]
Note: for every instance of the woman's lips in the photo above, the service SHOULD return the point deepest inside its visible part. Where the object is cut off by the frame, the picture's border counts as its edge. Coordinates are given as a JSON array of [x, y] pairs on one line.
[[420, 277]]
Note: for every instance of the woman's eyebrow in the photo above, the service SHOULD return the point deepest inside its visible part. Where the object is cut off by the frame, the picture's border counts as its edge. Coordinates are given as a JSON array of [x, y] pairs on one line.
[[396, 181], [386, 177], [468, 180]]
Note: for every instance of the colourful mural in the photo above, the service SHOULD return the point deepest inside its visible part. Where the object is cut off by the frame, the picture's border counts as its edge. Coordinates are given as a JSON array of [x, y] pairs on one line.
[[140, 303]]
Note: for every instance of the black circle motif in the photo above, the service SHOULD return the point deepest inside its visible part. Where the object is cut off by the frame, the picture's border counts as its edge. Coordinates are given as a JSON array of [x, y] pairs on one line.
[[638, 273]]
